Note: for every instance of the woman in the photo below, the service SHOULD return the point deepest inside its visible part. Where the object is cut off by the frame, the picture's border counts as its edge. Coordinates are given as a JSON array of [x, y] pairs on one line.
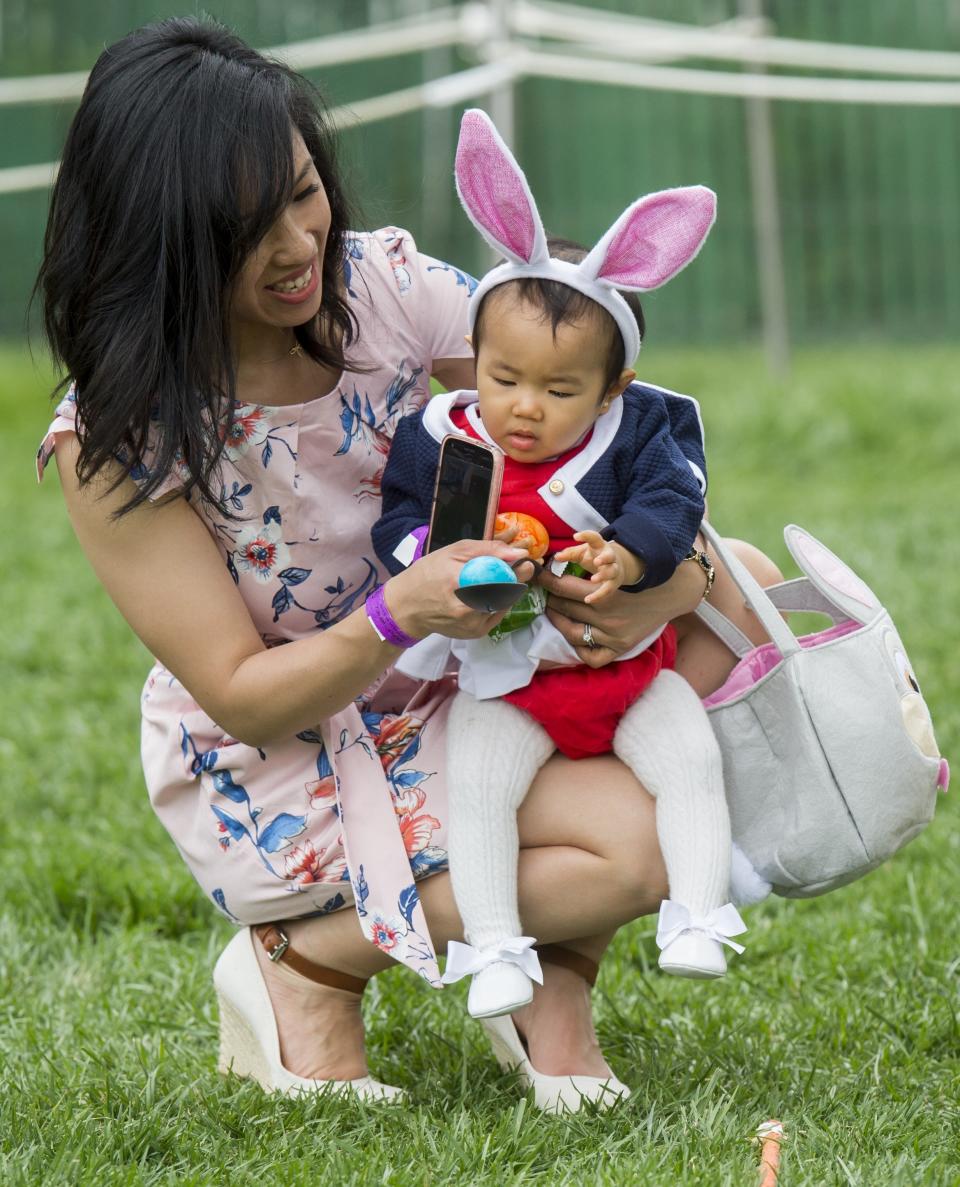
[[238, 364]]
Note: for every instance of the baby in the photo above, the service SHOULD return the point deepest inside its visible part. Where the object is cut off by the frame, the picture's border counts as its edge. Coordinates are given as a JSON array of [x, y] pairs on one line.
[[614, 471]]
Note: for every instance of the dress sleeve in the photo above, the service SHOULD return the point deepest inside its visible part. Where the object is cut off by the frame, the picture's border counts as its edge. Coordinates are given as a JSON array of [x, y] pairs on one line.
[[433, 294], [65, 421]]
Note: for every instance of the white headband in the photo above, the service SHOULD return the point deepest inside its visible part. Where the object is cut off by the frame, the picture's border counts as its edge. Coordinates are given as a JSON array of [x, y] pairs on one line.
[[648, 244]]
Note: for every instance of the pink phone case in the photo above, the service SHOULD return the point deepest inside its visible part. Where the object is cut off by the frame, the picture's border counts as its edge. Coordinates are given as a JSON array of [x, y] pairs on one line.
[[496, 479]]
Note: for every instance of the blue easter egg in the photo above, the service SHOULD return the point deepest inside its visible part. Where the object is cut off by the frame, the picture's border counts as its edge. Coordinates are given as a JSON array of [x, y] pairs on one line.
[[486, 570]]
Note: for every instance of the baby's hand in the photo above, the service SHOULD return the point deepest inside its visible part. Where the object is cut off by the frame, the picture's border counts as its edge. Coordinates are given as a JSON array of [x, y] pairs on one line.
[[608, 562], [600, 559]]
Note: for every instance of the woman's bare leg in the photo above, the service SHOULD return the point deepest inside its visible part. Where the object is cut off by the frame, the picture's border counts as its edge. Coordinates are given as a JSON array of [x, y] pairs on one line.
[[589, 862], [702, 659]]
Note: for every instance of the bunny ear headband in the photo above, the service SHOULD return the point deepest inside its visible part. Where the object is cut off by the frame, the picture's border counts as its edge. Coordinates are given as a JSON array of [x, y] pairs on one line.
[[648, 244]]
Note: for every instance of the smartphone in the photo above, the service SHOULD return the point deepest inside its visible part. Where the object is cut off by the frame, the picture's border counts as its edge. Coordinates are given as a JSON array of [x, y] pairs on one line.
[[466, 494]]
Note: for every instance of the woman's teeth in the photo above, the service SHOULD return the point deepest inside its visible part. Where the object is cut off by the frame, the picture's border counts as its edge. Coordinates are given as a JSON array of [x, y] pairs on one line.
[[294, 286]]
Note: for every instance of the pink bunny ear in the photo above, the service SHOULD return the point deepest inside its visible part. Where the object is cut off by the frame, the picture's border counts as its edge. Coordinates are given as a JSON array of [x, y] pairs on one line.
[[654, 238], [494, 191]]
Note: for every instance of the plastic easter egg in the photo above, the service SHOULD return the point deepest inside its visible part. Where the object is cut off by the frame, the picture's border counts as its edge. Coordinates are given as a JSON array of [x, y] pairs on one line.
[[488, 584], [531, 534], [486, 570]]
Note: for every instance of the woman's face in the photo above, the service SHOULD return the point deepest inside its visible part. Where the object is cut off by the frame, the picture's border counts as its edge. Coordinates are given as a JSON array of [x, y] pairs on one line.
[[281, 282]]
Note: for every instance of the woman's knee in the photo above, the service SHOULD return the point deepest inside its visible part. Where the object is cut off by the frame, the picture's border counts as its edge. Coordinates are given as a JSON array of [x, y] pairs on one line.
[[634, 863], [761, 567], [597, 805]]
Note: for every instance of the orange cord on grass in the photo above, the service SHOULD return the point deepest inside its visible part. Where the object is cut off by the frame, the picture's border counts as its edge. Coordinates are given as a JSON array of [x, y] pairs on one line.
[[770, 1135]]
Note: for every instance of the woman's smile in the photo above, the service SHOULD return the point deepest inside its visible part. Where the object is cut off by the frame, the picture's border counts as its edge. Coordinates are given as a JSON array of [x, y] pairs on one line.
[[297, 286]]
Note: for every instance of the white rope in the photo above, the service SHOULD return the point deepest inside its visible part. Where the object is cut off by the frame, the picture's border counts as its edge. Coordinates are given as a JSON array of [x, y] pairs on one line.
[[609, 48], [733, 41], [445, 27], [20, 178], [42, 88], [438, 92], [628, 73]]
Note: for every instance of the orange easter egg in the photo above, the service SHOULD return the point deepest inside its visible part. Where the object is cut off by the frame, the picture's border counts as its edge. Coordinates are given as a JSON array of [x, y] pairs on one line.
[[531, 534]]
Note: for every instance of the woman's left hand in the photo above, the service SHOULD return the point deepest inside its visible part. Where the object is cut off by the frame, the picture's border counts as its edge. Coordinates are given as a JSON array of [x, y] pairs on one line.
[[623, 619]]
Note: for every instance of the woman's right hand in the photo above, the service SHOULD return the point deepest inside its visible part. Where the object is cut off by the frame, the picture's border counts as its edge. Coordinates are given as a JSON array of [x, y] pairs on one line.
[[422, 598], [162, 568]]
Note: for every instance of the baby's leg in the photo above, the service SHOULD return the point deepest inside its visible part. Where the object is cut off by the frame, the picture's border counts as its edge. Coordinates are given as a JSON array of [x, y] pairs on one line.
[[666, 739], [494, 750]]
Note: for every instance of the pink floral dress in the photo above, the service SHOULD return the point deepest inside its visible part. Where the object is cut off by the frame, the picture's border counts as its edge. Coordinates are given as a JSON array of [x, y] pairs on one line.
[[355, 810]]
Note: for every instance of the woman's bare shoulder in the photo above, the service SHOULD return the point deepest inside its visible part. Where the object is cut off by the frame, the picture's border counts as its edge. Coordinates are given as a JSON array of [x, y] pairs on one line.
[[161, 568]]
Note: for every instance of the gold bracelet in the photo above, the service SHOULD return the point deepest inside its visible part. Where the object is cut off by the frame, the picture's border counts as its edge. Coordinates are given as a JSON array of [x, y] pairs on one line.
[[705, 563]]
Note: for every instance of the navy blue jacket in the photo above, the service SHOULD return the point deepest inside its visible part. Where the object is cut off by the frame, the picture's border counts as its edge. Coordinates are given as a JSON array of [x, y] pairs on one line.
[[640, 479]]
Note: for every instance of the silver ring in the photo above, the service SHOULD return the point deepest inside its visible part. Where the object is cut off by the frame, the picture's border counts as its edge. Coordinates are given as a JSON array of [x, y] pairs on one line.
[[588, 639]]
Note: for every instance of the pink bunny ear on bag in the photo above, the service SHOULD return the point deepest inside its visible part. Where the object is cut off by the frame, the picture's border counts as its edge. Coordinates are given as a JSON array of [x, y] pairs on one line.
[[494, 191], [654, 239]]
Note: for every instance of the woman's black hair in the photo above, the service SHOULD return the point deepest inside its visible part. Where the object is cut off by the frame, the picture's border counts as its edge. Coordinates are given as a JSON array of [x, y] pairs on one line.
[[177, 163], [563, 305]]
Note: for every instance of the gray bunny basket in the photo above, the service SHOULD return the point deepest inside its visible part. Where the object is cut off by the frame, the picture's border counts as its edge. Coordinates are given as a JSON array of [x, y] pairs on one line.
[[829, 755]]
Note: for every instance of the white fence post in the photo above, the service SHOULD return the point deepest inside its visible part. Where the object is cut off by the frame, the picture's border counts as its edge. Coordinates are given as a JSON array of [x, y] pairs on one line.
[[766, 221]]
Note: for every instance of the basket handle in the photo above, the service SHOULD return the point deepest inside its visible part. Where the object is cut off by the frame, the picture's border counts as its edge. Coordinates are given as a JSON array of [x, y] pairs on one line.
[[801, 596], [754, 595]]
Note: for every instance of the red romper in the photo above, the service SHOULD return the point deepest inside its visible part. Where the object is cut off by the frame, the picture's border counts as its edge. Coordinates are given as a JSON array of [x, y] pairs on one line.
[[579, 707]]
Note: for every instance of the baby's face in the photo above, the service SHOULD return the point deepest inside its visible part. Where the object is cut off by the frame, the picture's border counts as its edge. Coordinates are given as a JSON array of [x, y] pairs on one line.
[[538, 393]]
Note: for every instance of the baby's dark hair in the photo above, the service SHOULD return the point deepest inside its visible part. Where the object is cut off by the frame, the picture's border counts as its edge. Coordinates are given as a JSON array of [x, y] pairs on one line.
[[563, 305]]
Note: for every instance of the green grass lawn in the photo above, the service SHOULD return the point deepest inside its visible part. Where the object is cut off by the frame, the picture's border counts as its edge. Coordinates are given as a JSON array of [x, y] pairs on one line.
[[841, 1018]]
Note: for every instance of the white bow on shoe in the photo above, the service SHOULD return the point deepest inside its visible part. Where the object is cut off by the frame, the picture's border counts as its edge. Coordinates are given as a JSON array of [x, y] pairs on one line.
[[691, 945], [463, 960], [503, 974]]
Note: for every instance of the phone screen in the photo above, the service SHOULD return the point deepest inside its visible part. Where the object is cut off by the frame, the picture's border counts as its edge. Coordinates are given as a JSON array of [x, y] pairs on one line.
[[463, 493]]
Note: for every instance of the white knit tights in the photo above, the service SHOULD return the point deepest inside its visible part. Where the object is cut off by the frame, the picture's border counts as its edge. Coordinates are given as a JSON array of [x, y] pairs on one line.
[[494, 750], [666, 739]]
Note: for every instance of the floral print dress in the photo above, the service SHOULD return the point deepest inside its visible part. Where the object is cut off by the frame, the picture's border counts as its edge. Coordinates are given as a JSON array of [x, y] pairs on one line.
[[354, 810]]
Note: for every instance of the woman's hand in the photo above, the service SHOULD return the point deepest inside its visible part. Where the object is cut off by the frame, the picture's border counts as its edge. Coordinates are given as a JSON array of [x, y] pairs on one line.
[[167, 577], [423, 601], [624, 618]]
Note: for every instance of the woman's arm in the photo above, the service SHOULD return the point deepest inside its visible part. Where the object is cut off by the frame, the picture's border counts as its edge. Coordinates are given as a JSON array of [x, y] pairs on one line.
[[455, 374], [164, 573]]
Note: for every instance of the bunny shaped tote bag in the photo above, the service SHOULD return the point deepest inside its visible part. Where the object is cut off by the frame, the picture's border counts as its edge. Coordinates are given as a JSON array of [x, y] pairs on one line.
[[829, 756]]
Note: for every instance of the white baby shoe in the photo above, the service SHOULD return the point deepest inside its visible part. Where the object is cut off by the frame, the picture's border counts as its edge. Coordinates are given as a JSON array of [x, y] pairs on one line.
[[694, 955], [503, 974], [500, 988], [692, 945]]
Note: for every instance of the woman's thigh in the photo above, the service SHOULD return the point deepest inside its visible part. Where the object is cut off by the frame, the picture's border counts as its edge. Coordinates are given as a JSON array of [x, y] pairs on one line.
[[597, 805], [589, 859]]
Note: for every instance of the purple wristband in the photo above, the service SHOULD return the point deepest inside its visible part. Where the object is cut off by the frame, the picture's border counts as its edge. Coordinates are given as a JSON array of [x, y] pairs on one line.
[[384, 623], [420, 534]]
